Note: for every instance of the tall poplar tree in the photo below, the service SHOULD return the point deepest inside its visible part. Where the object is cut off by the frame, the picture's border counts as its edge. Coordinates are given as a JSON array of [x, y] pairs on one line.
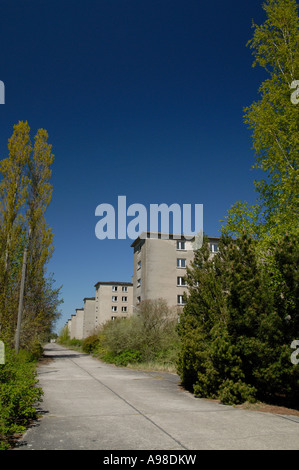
[[274, 120], [13, 193], [39, 294], [26, 229]]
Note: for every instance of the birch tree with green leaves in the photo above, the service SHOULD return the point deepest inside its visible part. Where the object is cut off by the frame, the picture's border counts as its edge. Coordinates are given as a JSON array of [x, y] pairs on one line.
[[274, 121], [25, 194], [241, 314]]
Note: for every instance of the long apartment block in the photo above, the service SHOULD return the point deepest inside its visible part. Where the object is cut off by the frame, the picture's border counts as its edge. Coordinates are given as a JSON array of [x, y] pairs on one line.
[[159, 266], [159, 270], [112, 300]]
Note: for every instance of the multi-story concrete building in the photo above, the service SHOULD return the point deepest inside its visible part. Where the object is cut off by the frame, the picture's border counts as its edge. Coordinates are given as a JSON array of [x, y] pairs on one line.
[[160, 265], [113, 300], [159, 270], [89, 316], [77, 322]]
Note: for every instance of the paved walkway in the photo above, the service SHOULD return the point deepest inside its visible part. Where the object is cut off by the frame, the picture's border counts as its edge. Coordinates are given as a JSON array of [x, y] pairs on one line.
[[91, 405]]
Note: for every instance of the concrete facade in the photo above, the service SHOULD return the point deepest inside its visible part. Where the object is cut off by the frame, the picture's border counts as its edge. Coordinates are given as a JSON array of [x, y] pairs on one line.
[[159, 266], [89, 316], [77, 322], [113, 300], [159, 269]]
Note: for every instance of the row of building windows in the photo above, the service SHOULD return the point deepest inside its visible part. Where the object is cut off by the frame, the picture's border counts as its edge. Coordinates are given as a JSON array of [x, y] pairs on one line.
[[180, 301], [181, 245], [115, 288], [181, 263], [115, 309], [123, 299]]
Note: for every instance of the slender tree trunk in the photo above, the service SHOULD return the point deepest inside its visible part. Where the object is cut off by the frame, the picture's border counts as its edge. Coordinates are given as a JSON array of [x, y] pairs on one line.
[[21, 298]]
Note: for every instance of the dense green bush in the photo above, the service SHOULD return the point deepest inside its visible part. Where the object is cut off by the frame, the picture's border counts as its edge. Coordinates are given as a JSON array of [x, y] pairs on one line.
[[64, 338], [90, 344], [64, 335], [19, 394], [150, 335], [124, 358], [76, 343], [239, 321]]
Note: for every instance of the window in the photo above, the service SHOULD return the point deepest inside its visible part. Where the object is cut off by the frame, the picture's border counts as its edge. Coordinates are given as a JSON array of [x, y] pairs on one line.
[[113, 318], [114, 288], [114, 308], [124, 298], [214, 247], [138, 265], [138, 282], [180, 245], [138, 299], [124, 309], [181, 263], [181, 300], [124, 289], [181, 281], [114, 298]]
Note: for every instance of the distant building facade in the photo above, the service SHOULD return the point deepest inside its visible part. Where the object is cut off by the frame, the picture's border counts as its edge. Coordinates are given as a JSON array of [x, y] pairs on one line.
[[159, 270], [159, 266], [89, 316], [113, 300], [77, 320]]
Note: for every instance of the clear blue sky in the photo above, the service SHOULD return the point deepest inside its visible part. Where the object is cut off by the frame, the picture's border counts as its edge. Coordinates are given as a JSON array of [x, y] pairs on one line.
[[140, 98]]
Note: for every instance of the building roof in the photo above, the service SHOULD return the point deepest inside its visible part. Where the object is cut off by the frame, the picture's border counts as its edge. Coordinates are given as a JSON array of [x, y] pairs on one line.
[[113, 283], [165, 236]]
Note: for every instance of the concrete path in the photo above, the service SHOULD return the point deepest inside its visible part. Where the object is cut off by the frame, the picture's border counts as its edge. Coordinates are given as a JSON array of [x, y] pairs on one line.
[[90, 405]]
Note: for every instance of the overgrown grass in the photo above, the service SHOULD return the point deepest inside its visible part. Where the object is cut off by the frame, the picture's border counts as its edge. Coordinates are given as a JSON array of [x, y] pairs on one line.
[[19, 394]]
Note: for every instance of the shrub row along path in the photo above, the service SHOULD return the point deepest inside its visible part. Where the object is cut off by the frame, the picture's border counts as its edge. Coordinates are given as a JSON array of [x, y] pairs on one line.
[[91, 405]]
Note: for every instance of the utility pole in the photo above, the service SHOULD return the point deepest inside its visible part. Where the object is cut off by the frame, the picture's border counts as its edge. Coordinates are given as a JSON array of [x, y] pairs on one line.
[[21, 297]]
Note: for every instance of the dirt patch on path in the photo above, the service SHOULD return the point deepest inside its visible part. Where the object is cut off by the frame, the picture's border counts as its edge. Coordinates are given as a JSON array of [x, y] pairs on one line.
[[263, 407]]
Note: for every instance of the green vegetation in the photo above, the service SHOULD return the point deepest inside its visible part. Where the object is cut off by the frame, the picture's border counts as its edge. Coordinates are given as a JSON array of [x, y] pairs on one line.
[[149, 337], [28, 300], [239, 321], [26, 241], [274, 121], [234, 338], [19, 394]]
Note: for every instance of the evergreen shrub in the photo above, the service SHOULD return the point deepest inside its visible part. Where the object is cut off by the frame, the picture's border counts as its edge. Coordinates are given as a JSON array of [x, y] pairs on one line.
[[240, 318]]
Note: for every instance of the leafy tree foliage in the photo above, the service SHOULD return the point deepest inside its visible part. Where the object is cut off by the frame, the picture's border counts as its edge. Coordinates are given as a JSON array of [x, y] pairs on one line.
[[274, 120], [260, 290], [149, 335], [25, 193], [239, 321]]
